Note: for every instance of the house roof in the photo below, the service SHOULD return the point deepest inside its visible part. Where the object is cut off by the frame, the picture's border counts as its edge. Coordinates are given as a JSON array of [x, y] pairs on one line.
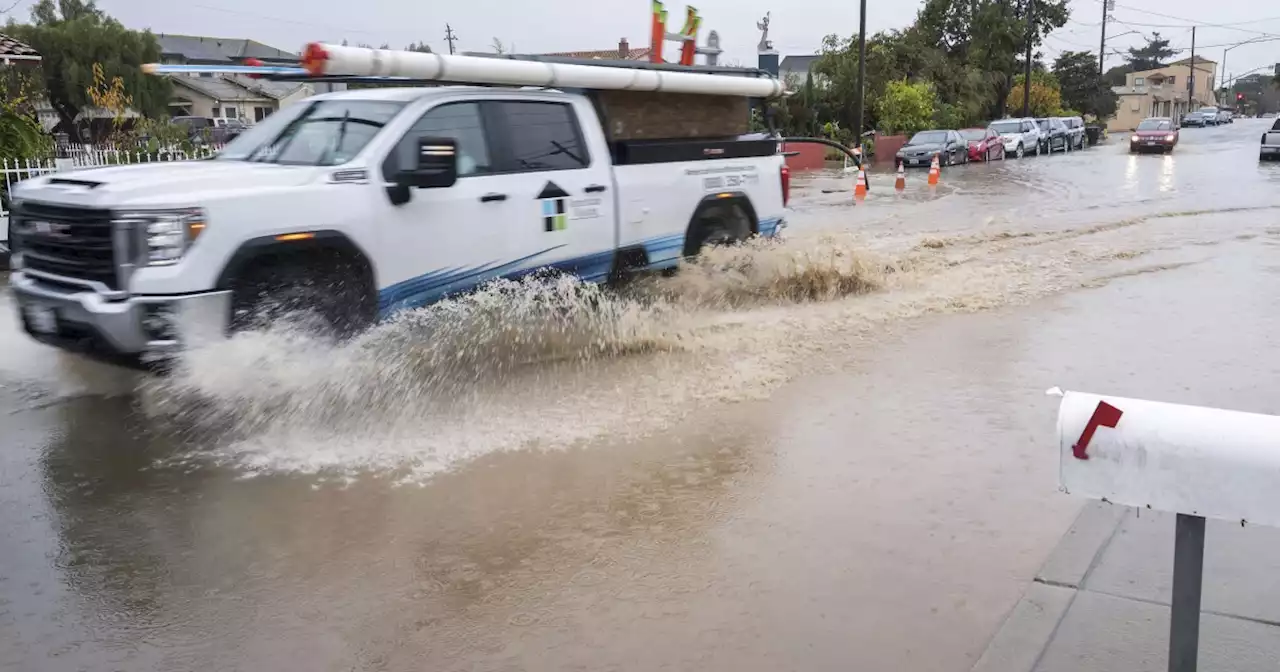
[[220, 49], [270, 89], [219, 88], [639, 54], [1199, 60], [798, 63], [13, 48]]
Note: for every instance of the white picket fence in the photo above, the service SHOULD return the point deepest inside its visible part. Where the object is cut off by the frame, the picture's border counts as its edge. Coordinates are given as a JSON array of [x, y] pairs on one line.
[[13, 171]]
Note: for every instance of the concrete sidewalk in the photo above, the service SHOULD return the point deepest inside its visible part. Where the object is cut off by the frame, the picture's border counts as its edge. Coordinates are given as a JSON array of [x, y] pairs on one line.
[[1101, 601]]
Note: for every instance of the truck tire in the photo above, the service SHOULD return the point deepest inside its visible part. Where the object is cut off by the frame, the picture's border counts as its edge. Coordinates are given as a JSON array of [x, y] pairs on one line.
[[330, 291], [718, 223]]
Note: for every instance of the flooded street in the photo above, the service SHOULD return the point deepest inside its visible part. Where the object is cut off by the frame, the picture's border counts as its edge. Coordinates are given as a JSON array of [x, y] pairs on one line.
[[831, 453]]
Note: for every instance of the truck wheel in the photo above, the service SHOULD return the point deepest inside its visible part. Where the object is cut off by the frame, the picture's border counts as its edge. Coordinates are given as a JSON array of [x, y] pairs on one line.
[[330, 291], [722, 223]]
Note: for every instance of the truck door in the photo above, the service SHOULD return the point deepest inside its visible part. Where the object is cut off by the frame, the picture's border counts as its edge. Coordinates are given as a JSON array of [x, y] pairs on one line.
[[561, 192], [446, 240]]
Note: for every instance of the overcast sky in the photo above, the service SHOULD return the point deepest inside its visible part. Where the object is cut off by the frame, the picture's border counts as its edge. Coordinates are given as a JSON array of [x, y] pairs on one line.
[[797, 26]]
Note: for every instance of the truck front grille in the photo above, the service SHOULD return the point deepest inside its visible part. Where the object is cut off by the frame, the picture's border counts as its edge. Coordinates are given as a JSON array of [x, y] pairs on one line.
[[70, 242]]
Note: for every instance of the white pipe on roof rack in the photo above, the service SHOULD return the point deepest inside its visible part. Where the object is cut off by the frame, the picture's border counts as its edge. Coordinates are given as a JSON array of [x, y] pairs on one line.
[[331, 59]]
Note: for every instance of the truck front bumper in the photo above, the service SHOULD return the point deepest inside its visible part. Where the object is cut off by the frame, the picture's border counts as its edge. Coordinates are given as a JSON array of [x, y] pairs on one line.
[[132, 331]]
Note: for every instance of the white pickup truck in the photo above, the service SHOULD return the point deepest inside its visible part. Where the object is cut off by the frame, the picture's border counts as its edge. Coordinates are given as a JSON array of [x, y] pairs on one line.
[[1270, 150], [358, 204]]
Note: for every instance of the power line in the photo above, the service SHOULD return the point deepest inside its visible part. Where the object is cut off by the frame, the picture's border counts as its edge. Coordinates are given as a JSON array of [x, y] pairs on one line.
[[1202, 24]]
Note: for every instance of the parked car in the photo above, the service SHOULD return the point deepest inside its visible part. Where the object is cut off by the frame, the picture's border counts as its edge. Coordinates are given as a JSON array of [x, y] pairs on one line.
[[948, 146], [1059, 137], [1205, 116], [1158, 134], [226, 130], [202, 130], [1226, 117], [1020, 136], [1075, 126], [1270, 150], [984, 144]]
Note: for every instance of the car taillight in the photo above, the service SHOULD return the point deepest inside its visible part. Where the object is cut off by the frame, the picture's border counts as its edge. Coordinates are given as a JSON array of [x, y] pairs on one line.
[[785, 174]]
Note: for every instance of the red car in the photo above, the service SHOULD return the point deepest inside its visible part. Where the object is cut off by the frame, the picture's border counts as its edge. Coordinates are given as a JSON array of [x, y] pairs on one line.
[[984, 144], [1157, 134]]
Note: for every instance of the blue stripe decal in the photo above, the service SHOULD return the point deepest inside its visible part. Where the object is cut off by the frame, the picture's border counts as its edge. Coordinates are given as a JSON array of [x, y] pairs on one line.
[[663, 252]]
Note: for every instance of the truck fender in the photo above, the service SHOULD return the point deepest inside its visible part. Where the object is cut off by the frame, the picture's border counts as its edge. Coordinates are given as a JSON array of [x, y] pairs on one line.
[[298, 244], [691, 239]]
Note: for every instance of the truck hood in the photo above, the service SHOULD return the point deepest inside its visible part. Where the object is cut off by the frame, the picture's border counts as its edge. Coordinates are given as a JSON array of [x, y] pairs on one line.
[[161, 181]]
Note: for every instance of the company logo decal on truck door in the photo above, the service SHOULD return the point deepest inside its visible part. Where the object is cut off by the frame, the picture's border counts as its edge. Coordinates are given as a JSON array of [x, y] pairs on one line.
[[554, 205]]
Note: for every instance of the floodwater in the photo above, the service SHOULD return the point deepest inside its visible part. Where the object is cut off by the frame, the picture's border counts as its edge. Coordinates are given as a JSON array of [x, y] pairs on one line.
[[830, 453]]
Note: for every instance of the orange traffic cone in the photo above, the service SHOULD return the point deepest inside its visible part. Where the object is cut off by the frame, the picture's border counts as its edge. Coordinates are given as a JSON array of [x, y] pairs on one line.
[[860, 189], [935, 172], [901, 182]]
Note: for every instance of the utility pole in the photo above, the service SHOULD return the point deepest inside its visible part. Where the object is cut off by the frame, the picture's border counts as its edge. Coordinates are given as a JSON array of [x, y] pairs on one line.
[[1107, 6], [1191, 81], [449, 37], [1026, 77], [862, 70]]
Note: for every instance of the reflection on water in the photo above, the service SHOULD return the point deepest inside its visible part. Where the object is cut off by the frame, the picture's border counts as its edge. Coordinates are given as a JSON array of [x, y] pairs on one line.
[[175, 568]]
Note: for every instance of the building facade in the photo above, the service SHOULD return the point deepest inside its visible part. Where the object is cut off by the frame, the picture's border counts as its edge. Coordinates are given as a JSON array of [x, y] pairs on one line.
[[1167, 91]]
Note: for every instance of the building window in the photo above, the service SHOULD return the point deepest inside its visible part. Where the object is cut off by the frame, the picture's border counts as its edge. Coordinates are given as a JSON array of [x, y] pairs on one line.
[[260, 113], [1139, 81], [217, 112], [1172, 80]]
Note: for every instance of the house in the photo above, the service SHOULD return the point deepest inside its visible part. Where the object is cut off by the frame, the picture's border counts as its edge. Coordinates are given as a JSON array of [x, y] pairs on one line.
[[1164, 92], [224, 96], [797, 67], [17, 54], [624, 52]]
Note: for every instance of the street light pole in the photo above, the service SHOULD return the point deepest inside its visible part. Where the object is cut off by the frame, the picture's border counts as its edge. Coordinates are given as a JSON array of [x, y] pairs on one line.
[[1026, 78], [862, 69]]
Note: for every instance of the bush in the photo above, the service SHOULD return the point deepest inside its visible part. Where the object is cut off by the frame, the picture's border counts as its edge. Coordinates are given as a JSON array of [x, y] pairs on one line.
[[906, 108]]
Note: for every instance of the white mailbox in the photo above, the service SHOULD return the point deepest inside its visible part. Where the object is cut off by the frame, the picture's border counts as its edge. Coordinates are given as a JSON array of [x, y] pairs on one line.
[[1183, 459], [1193, 461]]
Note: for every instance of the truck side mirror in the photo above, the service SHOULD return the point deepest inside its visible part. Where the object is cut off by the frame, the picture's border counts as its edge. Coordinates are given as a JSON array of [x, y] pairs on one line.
[[433, 165]]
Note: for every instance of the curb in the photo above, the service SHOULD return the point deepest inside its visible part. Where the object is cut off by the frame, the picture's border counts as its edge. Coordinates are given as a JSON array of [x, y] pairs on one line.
[[1031, 626]]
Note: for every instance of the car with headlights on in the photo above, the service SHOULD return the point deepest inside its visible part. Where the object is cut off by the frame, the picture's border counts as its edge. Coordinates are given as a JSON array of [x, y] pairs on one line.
[[1156, 134]]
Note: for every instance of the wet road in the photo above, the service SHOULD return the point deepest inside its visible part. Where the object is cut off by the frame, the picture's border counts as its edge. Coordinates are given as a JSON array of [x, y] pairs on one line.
[[840, 458]]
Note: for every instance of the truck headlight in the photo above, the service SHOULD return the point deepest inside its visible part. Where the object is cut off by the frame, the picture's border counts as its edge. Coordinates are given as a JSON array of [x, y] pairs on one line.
[[166, 234]]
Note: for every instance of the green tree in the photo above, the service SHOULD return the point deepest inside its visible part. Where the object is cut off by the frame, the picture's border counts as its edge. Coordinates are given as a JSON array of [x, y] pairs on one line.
[[1046, 97], [21, 136], [72, 36], [1082, 89], [906, 108], [1154, 54]]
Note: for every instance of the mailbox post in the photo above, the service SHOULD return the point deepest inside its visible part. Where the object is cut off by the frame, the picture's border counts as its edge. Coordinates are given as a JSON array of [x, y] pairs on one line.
[[1193, 461]]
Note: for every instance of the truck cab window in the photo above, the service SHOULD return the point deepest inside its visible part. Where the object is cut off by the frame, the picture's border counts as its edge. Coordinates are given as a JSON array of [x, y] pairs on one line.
[[463, 123], [543, 136]]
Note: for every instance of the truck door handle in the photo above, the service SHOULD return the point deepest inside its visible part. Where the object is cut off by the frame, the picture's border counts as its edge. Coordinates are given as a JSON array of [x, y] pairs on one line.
[[488, 198], [595, 188]]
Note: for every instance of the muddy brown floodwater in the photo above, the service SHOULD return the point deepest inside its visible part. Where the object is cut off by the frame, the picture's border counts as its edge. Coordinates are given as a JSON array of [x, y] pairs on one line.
[[831, 453]]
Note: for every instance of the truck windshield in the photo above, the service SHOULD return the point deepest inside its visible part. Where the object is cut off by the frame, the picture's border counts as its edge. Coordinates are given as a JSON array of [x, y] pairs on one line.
[[320, 133], [1153, 125]]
